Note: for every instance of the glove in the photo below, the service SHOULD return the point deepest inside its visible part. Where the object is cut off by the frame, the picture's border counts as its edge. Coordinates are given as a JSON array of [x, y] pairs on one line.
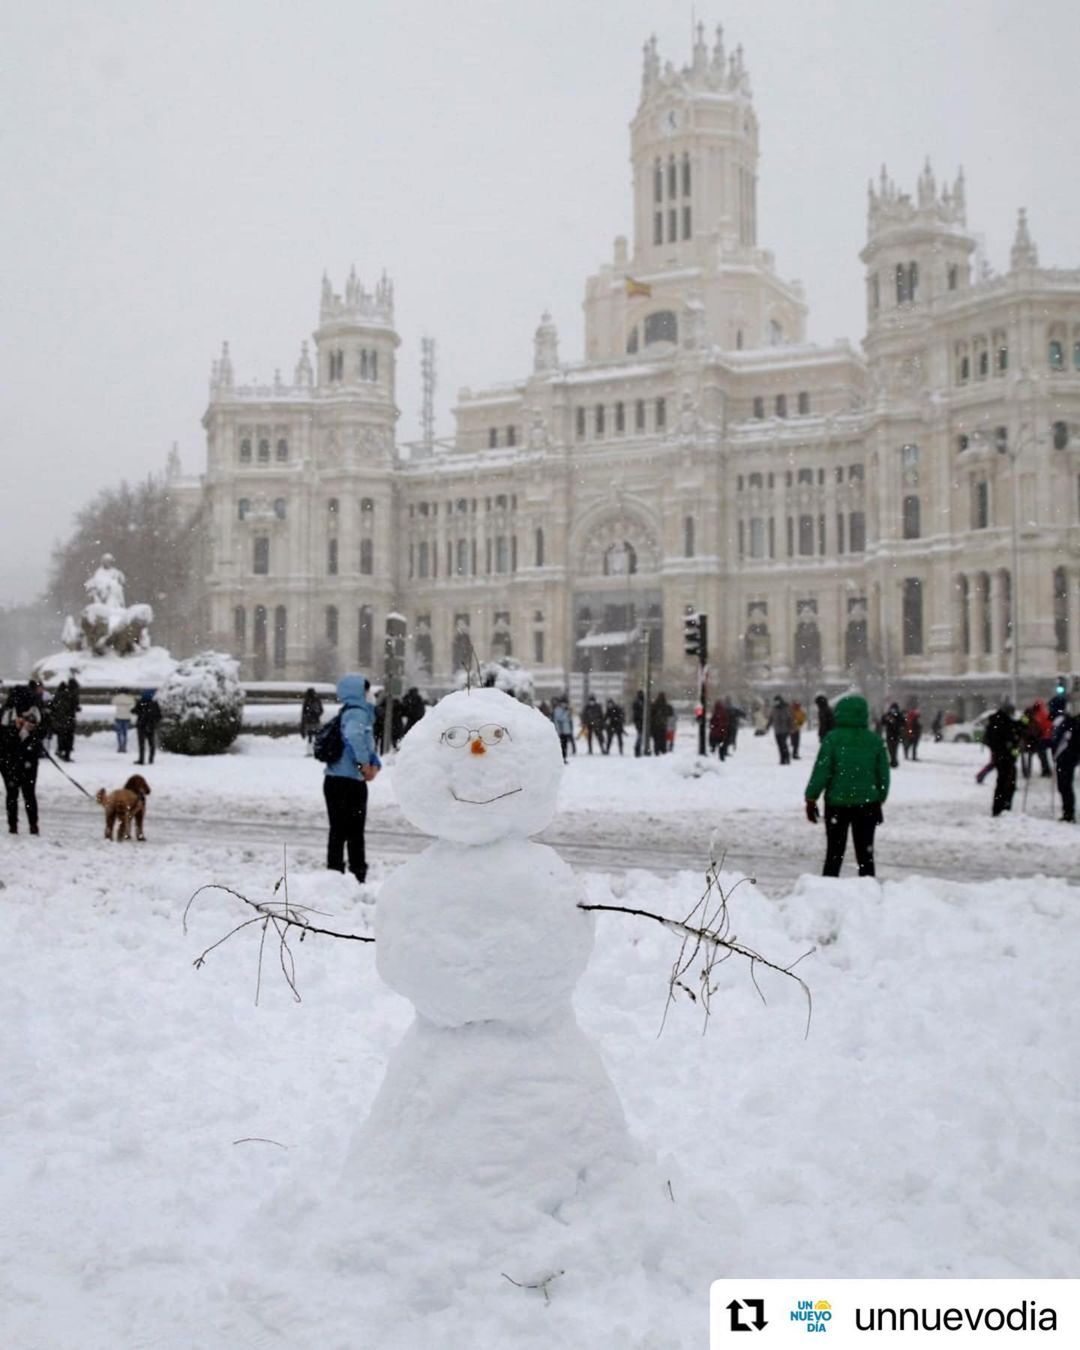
[[811, 812], [879, 815]]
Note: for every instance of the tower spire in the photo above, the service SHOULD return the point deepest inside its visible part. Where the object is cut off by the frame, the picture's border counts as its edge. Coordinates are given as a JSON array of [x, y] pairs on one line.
[[1024, 253]]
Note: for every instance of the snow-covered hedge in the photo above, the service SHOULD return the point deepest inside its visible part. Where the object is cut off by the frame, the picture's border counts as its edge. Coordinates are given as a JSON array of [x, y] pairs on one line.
[[201, 705]]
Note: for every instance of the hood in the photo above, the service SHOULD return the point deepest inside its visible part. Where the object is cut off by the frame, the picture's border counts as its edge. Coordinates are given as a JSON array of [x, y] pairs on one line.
[[350, 691], [853, 711]]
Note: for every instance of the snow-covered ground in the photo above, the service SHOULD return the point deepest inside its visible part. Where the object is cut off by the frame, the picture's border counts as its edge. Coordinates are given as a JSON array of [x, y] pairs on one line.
[[928, 1125]]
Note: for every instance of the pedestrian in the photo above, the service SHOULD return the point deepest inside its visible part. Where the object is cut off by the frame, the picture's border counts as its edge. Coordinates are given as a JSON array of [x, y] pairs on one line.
[[1066, 746], [592, 718], [852, 770], [937, 726], [637, 716], [20, 750], [412, 708], [780, 722], [564, 725], [1036, 738], [123, 706], [65, 707], [735, 715], [824, 717], [798, 721], [892, 723], [658, 723], [1003, 741], [311, 712], [614, 724], [345, 781], [718, 729], [912, 733], [147, 718]]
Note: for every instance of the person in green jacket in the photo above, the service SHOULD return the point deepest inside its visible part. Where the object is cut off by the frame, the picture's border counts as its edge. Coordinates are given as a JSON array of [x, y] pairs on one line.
[[852, 769]]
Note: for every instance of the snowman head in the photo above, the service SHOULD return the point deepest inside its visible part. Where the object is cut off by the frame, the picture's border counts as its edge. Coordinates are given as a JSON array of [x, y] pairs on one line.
[[479, 766]]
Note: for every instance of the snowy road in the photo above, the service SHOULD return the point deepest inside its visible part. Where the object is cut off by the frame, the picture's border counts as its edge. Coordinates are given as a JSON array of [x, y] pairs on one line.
[[912, 843]]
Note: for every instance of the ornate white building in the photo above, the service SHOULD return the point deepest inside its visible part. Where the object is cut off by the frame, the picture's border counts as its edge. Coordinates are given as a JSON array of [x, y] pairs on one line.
[[836, 514]]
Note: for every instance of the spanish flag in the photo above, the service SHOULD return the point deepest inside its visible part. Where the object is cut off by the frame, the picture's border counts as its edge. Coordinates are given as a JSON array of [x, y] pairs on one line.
[[637, 288]]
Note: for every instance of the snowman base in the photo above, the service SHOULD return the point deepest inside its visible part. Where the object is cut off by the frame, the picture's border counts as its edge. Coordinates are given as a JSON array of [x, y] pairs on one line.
[[492, 1117]]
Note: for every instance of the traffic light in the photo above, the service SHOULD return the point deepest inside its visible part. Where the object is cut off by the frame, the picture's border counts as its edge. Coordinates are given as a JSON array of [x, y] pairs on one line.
[[695, 636], [394, 649]]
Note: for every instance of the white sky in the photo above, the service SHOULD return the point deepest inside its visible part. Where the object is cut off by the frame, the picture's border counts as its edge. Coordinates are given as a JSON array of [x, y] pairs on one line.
[[180, 173]]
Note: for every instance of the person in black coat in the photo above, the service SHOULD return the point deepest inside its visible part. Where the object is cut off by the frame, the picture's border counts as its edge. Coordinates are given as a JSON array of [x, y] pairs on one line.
[[62, 712], [825, 718], [1002, 739], [893, 726], [637, 716], [20, 749], [614, 724], [592, 719], [147, 719], [1066, 751], [412, 708]]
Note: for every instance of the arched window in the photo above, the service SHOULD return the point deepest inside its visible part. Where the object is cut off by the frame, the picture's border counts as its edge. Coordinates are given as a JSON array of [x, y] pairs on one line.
[[688, 537], [279, 507], [661, 326], [367, 557], [539, 547], [364, 631], [280, 620], [261, 555], [264, 451], [243, 506], [282, 450], [245, 451], [332, 625], [913, 617], [240, 628]]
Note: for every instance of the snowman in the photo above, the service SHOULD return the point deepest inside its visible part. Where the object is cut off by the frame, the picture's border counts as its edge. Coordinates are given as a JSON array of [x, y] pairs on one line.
[[494, 1095]]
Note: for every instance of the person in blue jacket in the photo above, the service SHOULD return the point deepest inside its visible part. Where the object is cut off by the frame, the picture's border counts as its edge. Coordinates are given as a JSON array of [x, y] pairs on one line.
[[345, 781]]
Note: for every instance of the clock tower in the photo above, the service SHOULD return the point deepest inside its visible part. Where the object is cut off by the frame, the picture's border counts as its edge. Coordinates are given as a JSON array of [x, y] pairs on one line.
[[694, 275]]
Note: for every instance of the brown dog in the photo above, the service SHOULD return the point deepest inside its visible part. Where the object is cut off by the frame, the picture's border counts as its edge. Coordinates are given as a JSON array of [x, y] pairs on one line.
[[125, 805]]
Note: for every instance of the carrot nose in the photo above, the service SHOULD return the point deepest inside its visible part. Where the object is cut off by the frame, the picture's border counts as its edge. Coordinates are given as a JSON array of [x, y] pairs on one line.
[[477, 747]]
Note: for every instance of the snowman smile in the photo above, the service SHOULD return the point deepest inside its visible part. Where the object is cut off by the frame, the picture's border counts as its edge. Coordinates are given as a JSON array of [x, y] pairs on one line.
[[483, 801]]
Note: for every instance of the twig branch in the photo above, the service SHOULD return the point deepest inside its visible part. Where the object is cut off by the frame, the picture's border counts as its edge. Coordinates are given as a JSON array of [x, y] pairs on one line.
[[258, 1139], [542, 1285], [705, 943]]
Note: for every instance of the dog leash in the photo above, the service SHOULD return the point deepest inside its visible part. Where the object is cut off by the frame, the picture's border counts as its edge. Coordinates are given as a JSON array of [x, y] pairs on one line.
[[66, 775]]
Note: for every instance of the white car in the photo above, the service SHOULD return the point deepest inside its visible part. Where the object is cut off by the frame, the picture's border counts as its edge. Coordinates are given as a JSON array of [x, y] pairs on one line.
[[975, 730]]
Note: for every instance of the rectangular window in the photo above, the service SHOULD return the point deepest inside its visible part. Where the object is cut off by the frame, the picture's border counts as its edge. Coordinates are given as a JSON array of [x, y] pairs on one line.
[[658, 227], [686, 175], [980, 504], [911, 517], [538, 646], [599, 419], [620, 418], [781, 405], [367, 557], [840, 532], [742, 539], [791, 536], [661, 414], [855, 473], [673, 226], [261, 559], [804, 403], [332, 557], [759, 408], [806, 536], [364, 629], [686, 222], [462, 557], [821, 535], [772, 537], [913, 617], [422, 567], [511, 435], [1002, 359], [639, 415], [332, 625], [501, 555], [857, 532], [757, 537], [579, 419], [806, 475], [493, 437]]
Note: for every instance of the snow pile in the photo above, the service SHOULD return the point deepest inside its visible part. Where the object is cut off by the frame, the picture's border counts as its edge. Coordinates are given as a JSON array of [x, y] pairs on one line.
[[507, 674], [201, 705]]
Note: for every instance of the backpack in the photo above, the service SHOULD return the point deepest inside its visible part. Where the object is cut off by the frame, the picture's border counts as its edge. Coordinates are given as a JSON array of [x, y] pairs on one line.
[[329, 743]]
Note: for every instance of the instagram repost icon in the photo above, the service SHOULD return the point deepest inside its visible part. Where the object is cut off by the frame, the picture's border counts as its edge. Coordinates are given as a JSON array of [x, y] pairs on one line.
[[815, 1316]]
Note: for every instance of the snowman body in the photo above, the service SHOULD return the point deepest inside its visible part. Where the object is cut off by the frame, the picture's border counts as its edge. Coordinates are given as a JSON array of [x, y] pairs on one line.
[[495, 1092]]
